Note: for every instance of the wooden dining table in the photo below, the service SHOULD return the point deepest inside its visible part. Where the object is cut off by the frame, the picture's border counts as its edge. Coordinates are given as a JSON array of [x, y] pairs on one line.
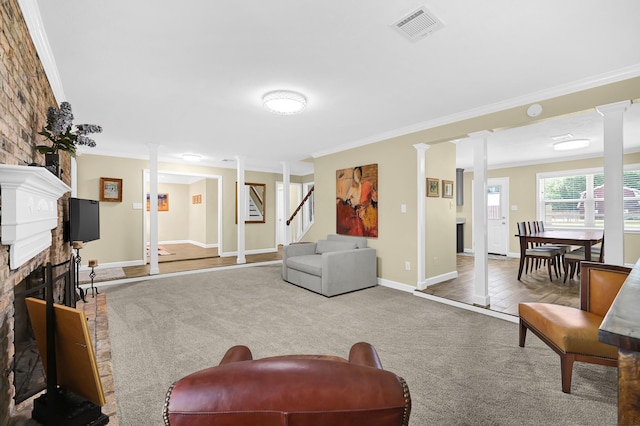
[[572, 237]]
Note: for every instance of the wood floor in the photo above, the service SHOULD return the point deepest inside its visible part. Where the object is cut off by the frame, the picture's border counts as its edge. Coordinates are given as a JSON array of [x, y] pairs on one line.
[[189, 257], [505, 291]]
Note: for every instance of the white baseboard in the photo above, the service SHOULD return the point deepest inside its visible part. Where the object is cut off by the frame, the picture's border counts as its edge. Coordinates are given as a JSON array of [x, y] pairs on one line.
[[195, 243], [396, 285], [440, 278], [255, 251], [116, 264], [473, 308]]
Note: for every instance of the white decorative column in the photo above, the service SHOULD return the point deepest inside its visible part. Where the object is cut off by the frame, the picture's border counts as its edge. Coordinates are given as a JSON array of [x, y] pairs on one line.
[[286, 186], [481, 267], [614, 181], [154, 269], [241, 209], [29, 210], [421, 149]]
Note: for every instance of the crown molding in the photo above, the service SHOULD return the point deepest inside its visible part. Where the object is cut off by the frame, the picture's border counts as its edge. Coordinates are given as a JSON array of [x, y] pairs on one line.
[[539, 96], [33, 19]]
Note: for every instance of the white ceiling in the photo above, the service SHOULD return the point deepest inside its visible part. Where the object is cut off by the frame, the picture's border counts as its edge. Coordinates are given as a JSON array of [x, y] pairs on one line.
[[189, 75], [534, 144]]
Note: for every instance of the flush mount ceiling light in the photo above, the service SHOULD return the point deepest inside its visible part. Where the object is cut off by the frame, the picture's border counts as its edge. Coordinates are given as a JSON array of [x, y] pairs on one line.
[[562, 137], [571, 144], [191, 157], [284, 102]]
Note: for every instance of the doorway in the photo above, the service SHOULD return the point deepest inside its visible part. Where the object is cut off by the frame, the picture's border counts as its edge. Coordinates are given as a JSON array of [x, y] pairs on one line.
[[192, 214], [497, 215], [295, 197]]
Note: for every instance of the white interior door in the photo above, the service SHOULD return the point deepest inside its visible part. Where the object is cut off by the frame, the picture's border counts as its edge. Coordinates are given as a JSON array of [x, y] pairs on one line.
[[497, 215], [279, 214]]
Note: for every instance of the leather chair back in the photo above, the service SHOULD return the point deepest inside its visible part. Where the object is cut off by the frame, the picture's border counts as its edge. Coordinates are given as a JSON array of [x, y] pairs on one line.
[[293, 390], [600, 284]]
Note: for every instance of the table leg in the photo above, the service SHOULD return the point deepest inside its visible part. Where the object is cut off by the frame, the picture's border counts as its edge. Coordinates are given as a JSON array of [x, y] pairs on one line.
[[587, 251]]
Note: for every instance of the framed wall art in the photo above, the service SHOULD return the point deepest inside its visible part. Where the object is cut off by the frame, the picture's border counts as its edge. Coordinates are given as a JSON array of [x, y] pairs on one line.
[[357, 201], [111, 190], [163, 202], [433, 187], [447, 188]]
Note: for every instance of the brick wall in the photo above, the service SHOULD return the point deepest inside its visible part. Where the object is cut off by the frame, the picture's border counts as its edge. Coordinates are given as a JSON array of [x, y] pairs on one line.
[[25, 95]]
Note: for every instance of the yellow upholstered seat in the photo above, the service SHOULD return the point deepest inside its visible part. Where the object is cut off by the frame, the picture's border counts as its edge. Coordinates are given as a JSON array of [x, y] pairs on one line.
[[573, 333]]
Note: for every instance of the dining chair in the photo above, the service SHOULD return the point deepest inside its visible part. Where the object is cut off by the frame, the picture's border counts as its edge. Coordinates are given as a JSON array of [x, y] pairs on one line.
[[571, 261], [549, 255], [539, 227], [571, 332]]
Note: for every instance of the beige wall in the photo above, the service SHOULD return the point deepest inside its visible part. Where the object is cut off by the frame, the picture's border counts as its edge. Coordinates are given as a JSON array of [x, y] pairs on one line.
[[396, 160], [172, 225], [522, 193], [397, 185], [197, 212], [440, 221], [210, 202], [121, 226]]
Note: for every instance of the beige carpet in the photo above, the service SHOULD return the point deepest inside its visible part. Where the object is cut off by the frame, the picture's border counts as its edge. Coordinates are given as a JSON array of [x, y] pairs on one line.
[[462, 368]]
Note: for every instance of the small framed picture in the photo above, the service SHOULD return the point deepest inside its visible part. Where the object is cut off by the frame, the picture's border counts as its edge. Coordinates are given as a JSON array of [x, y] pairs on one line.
[[447, 188], [433, 187], [163, 202], [111, 190]]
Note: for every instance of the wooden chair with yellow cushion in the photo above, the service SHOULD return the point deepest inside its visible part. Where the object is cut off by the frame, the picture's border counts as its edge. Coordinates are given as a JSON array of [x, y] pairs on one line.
[[573, 333]]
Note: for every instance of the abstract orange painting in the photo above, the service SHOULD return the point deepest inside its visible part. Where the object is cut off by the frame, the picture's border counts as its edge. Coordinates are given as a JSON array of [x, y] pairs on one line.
[[357, 201]]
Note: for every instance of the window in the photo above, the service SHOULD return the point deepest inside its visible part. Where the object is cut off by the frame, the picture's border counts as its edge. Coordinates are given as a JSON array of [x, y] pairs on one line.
[[575, 198]]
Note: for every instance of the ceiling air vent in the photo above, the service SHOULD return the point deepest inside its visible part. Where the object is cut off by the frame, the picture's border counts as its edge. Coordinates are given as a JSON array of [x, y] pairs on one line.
[[418, 24]]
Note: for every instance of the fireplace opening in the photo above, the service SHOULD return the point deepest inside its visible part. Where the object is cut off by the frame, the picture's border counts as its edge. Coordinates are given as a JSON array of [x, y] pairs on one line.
[[29, 375]]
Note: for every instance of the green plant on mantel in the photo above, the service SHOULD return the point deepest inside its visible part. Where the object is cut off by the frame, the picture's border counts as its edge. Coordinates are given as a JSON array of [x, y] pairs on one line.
[[59, 131]]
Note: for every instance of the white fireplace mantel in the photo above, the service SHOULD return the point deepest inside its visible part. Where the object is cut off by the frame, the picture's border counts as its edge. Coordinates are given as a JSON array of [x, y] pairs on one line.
[[29, 210]]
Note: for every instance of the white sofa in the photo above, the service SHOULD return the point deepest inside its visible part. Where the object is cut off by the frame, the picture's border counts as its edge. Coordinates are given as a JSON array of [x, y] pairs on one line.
[[337, 265]]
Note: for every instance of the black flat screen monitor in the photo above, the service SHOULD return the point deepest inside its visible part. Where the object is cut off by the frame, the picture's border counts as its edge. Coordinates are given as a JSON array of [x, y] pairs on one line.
[[84, 220]]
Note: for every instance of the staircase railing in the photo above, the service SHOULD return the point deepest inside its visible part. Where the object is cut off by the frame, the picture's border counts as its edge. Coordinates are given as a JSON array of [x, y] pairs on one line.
[[304, 200]]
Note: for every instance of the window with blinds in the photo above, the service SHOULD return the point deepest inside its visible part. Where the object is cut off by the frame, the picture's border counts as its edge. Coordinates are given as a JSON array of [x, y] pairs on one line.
[[575, 198]]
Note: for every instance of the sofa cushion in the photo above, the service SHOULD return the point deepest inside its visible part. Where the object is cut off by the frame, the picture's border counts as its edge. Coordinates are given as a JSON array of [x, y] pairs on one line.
[[311, 264], [361, 242], [324, 246]]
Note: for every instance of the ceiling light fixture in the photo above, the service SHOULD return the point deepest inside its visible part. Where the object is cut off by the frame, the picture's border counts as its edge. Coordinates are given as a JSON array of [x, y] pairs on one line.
[[191, 157], [284, 102], [571, 144], [562, 137]]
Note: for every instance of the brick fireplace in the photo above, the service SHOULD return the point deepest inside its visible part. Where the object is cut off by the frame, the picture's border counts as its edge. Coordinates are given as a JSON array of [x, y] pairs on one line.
[[25, 95]]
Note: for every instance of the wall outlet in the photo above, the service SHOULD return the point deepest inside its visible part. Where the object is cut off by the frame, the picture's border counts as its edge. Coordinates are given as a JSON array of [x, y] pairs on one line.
[[407, 265]]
